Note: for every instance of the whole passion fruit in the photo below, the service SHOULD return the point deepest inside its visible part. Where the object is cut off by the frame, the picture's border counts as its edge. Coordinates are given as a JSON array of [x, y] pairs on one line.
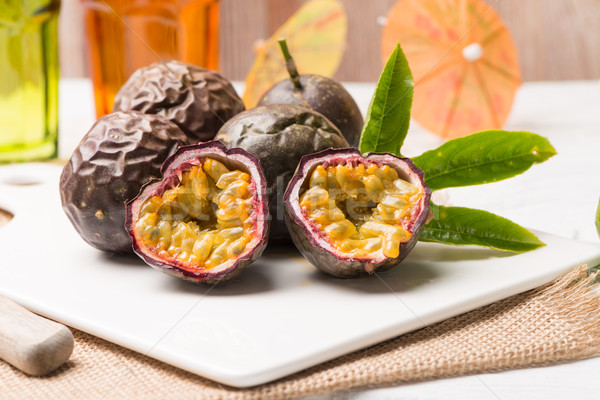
[[206, 219], [317, 92], [323, 95], [352, 215], [121, 152], [279, 135], [198, 100]]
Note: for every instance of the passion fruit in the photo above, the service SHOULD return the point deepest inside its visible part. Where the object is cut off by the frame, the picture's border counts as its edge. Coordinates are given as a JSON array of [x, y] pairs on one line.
[[352, 215], [279, 135], [323, 95], [206, 218], [121, 152], [198, 100], [320, 93]]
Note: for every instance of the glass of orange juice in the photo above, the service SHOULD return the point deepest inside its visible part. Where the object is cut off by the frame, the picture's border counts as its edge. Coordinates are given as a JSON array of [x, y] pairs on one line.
[[124, 35]]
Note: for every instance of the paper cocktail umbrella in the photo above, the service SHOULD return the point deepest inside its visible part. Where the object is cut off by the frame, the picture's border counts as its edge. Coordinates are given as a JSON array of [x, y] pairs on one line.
[[316, 36], [463, 60]]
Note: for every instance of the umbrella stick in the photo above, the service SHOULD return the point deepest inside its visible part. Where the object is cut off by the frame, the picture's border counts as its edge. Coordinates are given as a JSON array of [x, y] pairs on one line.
[[290, 64]]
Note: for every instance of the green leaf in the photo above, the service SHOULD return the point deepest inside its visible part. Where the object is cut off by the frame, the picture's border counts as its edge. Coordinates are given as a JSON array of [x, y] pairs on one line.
[[467, 226], [388, 115], [483, 157]]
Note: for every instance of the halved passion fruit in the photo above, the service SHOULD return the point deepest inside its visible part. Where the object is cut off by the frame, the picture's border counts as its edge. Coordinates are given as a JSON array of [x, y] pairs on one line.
[[207, 218], [352, 215]]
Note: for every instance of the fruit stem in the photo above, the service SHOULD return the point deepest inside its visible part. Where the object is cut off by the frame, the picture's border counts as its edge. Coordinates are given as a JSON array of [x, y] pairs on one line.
[[290, 64]]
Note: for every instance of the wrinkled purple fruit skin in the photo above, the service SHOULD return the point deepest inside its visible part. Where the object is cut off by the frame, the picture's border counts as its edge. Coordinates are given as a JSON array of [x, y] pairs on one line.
[[324, 259], [186, 156], [323, 95], [198, 100], [279, 135], [121, 152]]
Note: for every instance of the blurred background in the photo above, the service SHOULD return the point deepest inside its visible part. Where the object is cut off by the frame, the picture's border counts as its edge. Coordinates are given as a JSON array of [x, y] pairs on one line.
[[557, 39]]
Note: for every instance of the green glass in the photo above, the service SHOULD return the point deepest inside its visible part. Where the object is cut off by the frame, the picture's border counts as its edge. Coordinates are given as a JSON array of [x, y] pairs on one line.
[[28, 79]]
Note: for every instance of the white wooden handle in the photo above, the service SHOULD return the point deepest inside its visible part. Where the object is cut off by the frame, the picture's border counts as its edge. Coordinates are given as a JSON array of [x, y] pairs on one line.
[[31, 343]]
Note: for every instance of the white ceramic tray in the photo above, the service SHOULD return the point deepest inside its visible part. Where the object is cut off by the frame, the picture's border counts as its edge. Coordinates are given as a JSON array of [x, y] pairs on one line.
[[280, 316]]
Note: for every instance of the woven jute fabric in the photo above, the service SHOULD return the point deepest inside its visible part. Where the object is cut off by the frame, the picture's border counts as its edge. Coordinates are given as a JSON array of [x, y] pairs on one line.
[[554, 323]]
